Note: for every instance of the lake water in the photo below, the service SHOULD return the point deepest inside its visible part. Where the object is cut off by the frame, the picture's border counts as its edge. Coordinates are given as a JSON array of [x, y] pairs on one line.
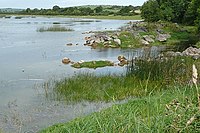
[[29, 58]]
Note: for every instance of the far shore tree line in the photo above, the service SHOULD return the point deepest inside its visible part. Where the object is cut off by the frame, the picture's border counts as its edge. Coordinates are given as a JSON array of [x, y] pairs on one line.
[[84, 10], [185, 12]]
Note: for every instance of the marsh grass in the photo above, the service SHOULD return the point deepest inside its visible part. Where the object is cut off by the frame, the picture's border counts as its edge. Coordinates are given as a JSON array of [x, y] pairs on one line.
[[163, 99], [54, 28], [99, 88], [166, 70], [128, 40], [93, 64], [142, 78]]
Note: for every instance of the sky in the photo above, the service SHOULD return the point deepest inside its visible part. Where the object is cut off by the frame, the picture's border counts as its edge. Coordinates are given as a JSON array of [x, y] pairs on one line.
[[23, 4]]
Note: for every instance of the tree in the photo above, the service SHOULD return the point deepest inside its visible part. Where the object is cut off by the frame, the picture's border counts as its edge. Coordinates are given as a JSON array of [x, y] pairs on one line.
[[197, 21], [56, 8], [151, 11], [28, 10], [98, 9], [167, 10], [192, 12]]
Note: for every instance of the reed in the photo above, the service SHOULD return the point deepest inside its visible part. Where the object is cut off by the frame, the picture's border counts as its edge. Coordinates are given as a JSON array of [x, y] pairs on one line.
[[54, 28]]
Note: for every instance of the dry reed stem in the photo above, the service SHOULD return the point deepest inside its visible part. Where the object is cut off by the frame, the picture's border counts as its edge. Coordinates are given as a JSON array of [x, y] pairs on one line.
[[190, 121], [194, 80]]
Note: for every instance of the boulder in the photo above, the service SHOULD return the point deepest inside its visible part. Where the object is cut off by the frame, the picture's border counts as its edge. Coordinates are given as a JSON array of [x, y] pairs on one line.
[[163, 37], [195, 57], [170, 53], [148, 38], [66, 60], [144, 42], [117, 41], [123, 62], [121, 57], [191, 51]]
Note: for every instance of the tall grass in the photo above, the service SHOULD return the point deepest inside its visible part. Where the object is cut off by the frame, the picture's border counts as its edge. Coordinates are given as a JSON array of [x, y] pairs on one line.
[[143, 77], [175, 69], [99, 88]]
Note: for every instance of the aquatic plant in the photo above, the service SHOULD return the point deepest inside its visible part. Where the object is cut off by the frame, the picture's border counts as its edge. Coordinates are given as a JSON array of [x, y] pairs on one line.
[[55, 28], [93, 64]]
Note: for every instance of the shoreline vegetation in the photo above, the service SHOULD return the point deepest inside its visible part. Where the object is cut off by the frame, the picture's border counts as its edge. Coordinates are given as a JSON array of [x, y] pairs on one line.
[[163, 98], [163, 91], [118, 17]]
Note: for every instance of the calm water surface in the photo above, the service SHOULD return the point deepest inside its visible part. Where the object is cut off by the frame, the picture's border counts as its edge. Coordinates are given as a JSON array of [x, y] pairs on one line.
[[29, 58]]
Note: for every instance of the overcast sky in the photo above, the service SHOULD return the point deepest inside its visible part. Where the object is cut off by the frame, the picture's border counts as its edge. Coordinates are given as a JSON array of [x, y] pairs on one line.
[[64, 3]]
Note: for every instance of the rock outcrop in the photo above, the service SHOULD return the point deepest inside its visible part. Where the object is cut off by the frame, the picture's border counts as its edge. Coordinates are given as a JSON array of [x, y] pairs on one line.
[[191, 51]]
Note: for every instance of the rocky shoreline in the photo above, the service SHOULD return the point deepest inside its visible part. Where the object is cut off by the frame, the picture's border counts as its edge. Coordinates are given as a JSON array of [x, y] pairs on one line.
[[134, 35]]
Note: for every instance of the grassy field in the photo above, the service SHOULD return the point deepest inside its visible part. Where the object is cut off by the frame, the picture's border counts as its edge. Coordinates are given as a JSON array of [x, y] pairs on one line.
[[136, 17]]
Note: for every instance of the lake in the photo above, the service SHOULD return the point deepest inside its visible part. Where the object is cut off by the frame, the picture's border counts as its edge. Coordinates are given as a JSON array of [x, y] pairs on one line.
[[29, 58]]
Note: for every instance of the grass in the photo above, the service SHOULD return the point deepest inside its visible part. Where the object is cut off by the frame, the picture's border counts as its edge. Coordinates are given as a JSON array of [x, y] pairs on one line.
[[163, 98], [55, 28], [143, 77], [168, 111], [128, 40], [198, 44], [90, 87], [180, 35], [136, 17], [93, 64]]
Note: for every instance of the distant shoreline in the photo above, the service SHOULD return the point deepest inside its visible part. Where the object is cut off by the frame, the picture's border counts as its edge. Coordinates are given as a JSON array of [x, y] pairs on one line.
[[136, 17]]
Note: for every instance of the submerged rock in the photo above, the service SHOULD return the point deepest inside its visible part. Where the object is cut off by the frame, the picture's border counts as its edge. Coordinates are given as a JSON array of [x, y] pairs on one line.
[[69, 44]]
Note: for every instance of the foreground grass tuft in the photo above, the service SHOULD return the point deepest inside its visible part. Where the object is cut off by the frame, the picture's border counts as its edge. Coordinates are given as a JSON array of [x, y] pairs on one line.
[[147, 114]]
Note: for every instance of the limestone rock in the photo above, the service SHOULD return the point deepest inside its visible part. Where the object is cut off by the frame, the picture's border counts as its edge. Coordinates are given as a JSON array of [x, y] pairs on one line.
[[66, 60], [117, 41], [144, 42], [148, 38], [163, 37]]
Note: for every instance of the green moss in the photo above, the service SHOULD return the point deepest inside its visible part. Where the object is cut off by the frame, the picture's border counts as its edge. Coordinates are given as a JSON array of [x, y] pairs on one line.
[[93, 64]]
